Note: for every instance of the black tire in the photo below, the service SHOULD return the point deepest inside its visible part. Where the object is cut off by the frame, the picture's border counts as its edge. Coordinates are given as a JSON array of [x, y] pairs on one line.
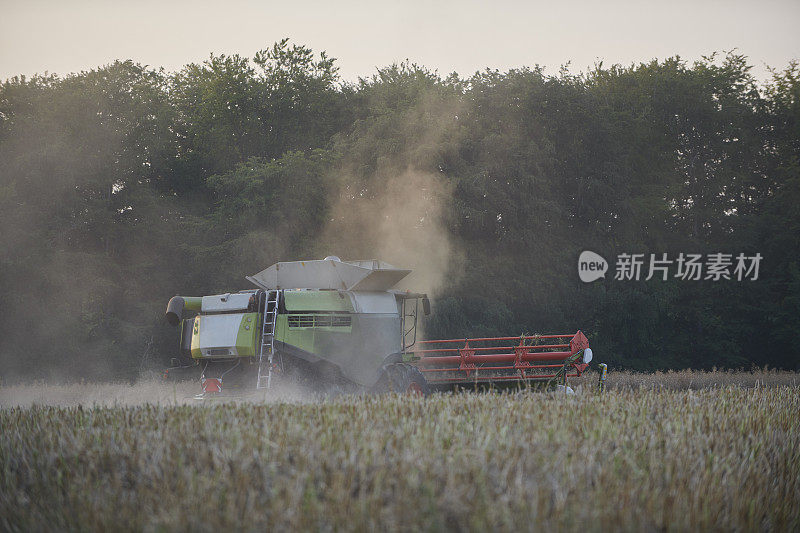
[[402, 378]]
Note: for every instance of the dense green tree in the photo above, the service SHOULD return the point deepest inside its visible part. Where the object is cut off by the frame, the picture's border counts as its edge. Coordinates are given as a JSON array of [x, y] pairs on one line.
[[124, 185], [230, 108], [78, 157]]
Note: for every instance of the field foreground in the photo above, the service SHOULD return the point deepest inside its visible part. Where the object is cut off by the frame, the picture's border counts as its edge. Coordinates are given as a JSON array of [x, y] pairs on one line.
[[718, 458]]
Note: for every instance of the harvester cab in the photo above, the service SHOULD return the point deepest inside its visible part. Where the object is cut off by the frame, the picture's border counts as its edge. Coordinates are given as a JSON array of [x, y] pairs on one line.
[[333, 323]]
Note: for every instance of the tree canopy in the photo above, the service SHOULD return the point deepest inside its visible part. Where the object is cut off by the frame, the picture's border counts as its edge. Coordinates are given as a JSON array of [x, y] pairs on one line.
[[125, 185]]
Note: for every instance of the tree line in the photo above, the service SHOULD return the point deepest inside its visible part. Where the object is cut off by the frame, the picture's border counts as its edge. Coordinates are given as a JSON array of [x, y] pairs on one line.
[[124, 185]]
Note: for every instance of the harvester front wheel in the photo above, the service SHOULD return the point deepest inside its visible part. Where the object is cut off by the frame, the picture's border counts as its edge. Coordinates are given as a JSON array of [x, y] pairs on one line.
[[403, 378]]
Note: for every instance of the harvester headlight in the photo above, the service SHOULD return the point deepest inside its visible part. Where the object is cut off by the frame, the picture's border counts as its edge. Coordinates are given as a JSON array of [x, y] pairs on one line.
[[587, 355]]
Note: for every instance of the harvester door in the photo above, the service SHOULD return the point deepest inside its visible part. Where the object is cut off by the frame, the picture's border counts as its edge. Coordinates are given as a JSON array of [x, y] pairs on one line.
[[186, 336], [409, 323]]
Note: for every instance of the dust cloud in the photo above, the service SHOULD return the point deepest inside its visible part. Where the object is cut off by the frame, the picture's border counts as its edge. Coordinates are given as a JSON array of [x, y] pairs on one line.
[[148, 391], [397, 210], [402, 225]]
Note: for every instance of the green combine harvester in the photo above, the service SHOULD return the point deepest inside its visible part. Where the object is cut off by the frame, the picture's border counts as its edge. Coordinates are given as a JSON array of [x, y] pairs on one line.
[[340, 325]]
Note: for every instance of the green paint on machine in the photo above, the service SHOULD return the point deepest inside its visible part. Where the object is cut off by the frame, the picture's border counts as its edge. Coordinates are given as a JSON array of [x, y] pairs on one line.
[[307, 330], [193, 303], [247, 338]]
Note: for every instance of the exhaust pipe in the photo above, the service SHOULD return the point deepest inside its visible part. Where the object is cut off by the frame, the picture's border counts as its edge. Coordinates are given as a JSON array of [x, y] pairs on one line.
[[175, 310], [177, 304]]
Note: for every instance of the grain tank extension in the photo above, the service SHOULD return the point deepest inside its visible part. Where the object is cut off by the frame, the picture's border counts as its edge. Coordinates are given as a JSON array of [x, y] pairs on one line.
[[334, 323]]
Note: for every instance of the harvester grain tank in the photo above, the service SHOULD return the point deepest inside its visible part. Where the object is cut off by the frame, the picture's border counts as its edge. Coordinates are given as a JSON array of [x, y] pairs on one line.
[[341, 324]]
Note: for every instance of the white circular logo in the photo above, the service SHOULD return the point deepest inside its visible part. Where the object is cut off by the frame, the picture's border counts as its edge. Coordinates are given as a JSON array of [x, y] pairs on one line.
[[591, 266]]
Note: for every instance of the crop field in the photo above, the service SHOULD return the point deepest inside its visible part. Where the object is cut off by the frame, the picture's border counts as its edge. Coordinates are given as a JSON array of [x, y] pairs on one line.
[[676, 451]]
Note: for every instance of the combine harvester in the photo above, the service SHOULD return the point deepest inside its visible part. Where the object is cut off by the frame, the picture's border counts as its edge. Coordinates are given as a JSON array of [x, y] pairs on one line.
[[339, 325]]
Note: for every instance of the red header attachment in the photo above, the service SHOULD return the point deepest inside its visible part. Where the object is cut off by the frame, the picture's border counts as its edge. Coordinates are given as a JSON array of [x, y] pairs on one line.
[[502, 359]]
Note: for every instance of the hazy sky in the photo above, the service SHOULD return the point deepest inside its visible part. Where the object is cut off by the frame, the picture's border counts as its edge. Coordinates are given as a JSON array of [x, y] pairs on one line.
[[64, 36]]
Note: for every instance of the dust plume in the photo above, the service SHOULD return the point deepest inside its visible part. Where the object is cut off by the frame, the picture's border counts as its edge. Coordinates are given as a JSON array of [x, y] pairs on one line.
[[146, 391], [402, 224], [395, 205]]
